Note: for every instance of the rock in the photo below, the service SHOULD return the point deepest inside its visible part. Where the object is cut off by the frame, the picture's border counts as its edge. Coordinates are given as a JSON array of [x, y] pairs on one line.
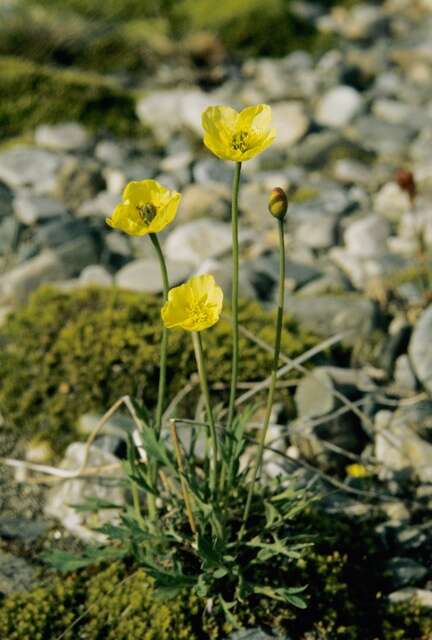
[[328, 315], [317, 231], [420, 349], [398, 448], [30, 208], [255, 634], [314, 394], [349, 171], [119, 425], [291, 123], [338, 106], [403, 373], [27, 531], [24, 166], [22, 280], [170, 110], [194, 242], [135, 169], [388, 140], [15, 574], [212, 170], [79, 180], [368, 236], [144, 275], [391, 202], [62, 497], [57, 232], [96, 274], [9, 232], [77, 254], [110, 152], [423, 597], [101, 206], [68, 136], [199, 200], [405, 571], [6, 201]]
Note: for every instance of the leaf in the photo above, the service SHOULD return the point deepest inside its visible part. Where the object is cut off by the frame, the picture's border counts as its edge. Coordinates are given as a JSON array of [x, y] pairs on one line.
[[65, 562], [156, 449], [283, 594], [93, 504]]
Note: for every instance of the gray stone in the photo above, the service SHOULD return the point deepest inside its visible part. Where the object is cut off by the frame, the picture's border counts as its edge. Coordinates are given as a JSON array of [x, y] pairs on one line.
[[119, 425], [110, 152], [9, 229], [20, 281], [62, 497], [423, 597], [97, 275], [101, 206], [21, 529], [212, 170], [316, 231], [15, 574], [76, 254], [399, 448], [328, 315], [368, 236], [403, 373], [199, 200], [24, 166], [405, 571], [6, 201], [30, 208], [145, 275], [291, 123], [57, 232], [141, 168], [171, 110], [338, 106], [391, 202], [78, 180], [68, 136], [389, 140], [196, 241], [314, 394], [420, 349]]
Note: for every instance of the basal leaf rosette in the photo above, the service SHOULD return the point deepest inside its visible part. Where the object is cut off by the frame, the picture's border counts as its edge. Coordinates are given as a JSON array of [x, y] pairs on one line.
[[147, 207], [193, 306], [235, 136]]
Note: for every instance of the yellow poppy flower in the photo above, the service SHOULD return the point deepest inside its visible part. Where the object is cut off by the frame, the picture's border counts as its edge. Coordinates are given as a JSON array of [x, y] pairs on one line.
[[357, 471], [194, 306], [147, 207], [237, 136]]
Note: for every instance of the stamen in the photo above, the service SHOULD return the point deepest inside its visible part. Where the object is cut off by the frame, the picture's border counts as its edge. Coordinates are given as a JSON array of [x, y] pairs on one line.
[[147, 212], [239, 141]]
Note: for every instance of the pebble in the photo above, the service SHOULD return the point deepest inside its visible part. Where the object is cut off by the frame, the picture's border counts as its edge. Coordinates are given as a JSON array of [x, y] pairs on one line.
[[194, 242], [68, 136], [145, 275], [338, 106]]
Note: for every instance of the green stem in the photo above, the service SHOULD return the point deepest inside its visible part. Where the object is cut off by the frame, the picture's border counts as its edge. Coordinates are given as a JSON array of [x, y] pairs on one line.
[[199, 356], [235, 287], [151, 500], [164, 341], [270, 398]]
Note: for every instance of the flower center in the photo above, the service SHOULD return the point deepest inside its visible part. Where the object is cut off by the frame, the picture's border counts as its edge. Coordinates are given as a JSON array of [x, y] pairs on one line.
[[240, 141], [200, 310], [146, 212]]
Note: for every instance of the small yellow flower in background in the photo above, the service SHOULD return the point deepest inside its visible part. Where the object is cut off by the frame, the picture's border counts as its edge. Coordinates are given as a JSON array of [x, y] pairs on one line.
[[237, 136], [194, 306], [147, 207], [357, 471]]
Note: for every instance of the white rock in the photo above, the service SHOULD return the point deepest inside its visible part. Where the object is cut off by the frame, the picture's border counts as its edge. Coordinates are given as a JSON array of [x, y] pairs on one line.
[[391, 201], [290, 121], [23, 166], [101, 206], [67, 136], [368, 236], [170, 110], [26, 277], [422, 596], [338, 106], [194, 242], [144, 275], [62, 497], [30, 208], [96, 274]]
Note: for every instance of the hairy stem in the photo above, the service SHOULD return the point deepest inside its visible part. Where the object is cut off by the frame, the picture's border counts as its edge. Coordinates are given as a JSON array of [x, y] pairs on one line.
[[270, 397], [199, 356]]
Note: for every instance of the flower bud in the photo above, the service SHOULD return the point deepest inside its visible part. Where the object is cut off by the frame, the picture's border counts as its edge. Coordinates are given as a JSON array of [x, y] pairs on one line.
[[278, 203], [406, 181]]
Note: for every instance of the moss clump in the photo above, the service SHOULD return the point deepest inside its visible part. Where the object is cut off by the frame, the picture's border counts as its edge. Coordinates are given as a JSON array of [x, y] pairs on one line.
[[120, 605], [65, 354], [33, 94], [345, 573]]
